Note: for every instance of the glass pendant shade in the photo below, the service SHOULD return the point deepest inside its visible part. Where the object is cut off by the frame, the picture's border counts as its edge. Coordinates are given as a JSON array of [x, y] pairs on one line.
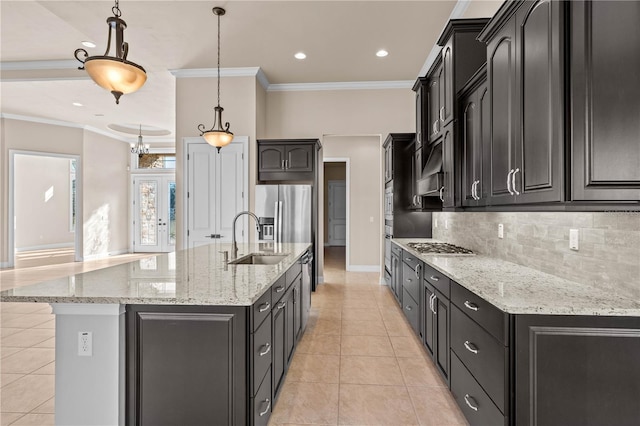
[[114, 75], [218, 138]]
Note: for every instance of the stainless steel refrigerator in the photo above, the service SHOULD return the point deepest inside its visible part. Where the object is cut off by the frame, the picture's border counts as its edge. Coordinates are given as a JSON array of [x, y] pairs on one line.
[[284, 213]]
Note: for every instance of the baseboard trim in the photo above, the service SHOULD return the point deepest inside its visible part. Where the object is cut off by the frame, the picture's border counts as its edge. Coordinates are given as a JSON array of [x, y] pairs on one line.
[[5, 264], [363, 268], [104, 255], [46, 247]]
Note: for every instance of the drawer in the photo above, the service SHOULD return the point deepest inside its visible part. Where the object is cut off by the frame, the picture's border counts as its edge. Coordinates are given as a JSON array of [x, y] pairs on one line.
[[262, 403], [484, 313], [410, 259], [261, 309], [438, 280], [471, 398], [278, 289], [411, 311], [411, 281], [262, 346], [481, 353], [396, 250], [293, 272]]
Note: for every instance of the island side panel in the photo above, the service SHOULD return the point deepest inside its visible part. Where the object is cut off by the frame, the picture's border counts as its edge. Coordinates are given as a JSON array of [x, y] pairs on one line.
[[186, 365]]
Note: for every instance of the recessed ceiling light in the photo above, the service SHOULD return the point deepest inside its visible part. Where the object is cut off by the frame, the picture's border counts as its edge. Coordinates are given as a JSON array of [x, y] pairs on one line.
[[77, 104], [89, 44], [300, 55], [381, 53]]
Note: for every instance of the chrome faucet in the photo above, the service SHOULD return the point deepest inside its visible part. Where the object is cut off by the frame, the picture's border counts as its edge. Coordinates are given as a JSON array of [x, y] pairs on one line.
[[234, 245]]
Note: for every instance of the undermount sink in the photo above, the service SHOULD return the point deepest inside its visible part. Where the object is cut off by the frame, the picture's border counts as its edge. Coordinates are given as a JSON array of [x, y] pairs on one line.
[[258, 259]]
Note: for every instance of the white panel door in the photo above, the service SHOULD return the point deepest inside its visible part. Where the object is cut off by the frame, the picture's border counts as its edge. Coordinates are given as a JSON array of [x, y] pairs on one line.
[[154, 214], [337, 213], [215, 192]]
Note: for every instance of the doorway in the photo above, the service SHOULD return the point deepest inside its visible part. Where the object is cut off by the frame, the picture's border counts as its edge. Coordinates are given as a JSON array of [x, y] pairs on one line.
[[44, 202], [335, 208], [154, 219]]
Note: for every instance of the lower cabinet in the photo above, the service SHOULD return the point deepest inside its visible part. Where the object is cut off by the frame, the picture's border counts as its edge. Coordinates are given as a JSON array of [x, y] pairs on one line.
[[196, 365], [436, 308]]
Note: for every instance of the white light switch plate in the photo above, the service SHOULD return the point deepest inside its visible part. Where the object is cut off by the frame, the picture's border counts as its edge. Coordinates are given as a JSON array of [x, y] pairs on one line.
[[574, 236], [500, 231]]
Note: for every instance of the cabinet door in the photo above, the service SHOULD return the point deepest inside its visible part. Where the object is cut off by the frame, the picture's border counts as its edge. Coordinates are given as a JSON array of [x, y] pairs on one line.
[[539, 149], [270, 158], [605, 100], [422, 125], [470, 136], [416, 173], [446, 89], [449, 167], [297, 306], [441, 329], [573, 370], [289, 323], [434, 105], [279, 345], [428, 318], [299, 158], [482, 155], [501, 76], [388, 163]]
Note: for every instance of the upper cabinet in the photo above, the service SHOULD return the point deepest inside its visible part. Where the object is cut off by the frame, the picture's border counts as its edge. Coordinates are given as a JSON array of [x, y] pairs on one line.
[[525, 80], [287, 160], [434, 104], [605, 100], [421, 87]]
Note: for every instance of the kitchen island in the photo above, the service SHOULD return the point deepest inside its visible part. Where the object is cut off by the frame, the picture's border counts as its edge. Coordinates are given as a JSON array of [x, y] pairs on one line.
[[179, 338], [519, 346]]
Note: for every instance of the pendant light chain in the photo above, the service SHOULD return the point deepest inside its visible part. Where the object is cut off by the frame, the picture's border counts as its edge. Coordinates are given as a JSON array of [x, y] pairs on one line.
[[116, 9], [218, 60]]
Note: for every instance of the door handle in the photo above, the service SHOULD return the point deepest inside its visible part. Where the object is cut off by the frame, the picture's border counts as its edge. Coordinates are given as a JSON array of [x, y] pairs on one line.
[[442, 194]]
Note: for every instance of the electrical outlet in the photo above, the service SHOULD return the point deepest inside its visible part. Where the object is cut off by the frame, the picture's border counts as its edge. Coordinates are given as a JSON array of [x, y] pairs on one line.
[[574, 236], [500, 231], [85, 343], [435, 223], [446, 224]]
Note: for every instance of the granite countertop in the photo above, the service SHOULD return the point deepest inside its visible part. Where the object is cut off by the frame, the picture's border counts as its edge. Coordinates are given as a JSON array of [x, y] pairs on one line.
[[197, 276], [516, 289]]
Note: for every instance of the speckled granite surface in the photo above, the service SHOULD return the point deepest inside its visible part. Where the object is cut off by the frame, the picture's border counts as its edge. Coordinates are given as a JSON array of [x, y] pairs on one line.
[[520, 290], [196, 276]]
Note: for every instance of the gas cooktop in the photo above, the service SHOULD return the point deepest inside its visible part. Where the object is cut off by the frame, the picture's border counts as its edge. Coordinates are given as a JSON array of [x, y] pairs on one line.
[[438, 248]]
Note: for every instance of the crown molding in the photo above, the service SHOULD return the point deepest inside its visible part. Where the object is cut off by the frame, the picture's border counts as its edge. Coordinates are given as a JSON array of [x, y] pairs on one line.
[[40, 120], [346, 85], [64, 64], [213, 72]]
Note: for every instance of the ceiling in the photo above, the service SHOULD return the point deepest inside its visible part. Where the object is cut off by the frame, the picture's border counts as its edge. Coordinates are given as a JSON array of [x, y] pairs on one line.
[[340, 38]]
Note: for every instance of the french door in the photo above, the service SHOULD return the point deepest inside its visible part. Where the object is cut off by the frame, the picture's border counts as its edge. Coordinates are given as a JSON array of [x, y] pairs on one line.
[[154, 213]]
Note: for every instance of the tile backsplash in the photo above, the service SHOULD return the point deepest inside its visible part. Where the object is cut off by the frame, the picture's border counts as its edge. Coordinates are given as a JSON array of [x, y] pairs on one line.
[[609, 243]]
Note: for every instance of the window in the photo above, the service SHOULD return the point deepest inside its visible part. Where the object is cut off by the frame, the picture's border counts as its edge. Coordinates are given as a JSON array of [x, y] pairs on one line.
[[157, 161]]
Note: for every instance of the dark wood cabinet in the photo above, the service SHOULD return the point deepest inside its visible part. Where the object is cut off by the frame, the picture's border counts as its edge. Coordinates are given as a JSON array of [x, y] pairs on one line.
[[525, 65], [396, 272], [171, 378], [388, 163], [286, 160], [475, 136], [435, 77], [605, 100], [449, 191], [436, 313], [279, 345], [421, 87], [573, 370]]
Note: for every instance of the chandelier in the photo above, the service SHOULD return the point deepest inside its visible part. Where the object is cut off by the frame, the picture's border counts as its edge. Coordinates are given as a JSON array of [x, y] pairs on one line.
[[114, 73], [139, 148], [217, 136]]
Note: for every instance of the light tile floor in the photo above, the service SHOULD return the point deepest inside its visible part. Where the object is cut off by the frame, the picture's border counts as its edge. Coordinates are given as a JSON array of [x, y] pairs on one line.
[[357, 364]]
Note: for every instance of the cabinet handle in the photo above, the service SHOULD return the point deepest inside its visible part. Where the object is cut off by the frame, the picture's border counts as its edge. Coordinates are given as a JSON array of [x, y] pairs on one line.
[[282, 166], [471, 347], [408, 308], [509, 182], [442, 194], [282, 305], [266, 410], [265, 351], [470, 305], [433, 304], [434, 278], [279, 289], [477, 195], [473, 190], [417, 271], [286, 164], [409, 259], [468, 400], [442, 114], [433, 127], [513, 181], [265, 306]]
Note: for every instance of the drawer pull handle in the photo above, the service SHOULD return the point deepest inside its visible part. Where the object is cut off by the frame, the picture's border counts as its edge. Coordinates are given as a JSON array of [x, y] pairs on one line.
[[408, 307], [470, 305], [265, 306], [265, 351], [279, 289], [417, 271], [434, 278], [408, 259], [468, 400], [471, 347], [409, 280], [266, 410], [281, 305]]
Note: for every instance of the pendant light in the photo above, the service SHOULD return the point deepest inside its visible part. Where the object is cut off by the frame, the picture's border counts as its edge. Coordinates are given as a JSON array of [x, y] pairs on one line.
[[217, 136], [114, 73], [139, 148]]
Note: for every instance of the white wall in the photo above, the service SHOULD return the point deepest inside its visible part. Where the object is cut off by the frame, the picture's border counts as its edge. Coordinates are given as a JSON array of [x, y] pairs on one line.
[[42, 202]]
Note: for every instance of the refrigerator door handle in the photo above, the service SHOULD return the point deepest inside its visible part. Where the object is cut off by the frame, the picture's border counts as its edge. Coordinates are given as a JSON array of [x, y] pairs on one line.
[[280, 233], [276, 222]]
